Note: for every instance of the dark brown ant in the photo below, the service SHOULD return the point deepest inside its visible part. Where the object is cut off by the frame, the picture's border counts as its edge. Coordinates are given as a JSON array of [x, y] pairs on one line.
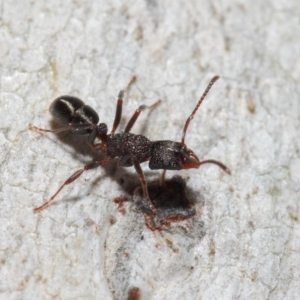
[[131, 149]]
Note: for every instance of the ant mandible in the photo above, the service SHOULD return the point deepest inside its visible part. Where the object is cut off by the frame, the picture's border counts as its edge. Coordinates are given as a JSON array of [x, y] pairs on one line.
[[131, 149]]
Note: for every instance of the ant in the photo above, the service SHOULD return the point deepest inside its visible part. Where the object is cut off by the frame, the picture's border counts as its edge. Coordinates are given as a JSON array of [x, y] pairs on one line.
[[131, 149]]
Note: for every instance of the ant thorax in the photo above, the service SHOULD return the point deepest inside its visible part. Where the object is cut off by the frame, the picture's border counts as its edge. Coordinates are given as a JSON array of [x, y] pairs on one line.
[[128, 147]]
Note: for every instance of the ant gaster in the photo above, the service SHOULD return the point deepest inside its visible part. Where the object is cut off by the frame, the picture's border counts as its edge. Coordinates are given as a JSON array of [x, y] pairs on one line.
[[131, 149]]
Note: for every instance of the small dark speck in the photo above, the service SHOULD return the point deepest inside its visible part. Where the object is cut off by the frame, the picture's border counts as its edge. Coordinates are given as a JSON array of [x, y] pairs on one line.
[[251, 105], [134, 294], [112, 220]]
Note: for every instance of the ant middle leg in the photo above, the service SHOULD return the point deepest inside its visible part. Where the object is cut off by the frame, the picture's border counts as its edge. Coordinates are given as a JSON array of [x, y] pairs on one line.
[[162, 177], [71, 179], [144, 185], [137, 113]]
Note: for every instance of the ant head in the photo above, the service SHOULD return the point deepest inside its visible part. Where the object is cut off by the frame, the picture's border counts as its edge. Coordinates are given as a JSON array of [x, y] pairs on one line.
[[171, 155]]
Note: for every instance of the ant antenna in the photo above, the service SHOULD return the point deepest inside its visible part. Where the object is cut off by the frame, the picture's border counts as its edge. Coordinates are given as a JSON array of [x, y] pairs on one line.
[[214, 79]]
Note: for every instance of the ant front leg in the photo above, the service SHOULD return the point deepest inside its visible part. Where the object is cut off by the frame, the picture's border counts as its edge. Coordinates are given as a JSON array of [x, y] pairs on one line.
[[137, 113], [71, 179], [144, 185]]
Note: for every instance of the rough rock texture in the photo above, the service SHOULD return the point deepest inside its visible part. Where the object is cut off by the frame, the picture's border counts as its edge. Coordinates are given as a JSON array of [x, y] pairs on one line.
[[244, 241]]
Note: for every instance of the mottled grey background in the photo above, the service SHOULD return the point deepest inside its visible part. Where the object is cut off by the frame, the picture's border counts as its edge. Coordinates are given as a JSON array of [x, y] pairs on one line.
[[244, 242]]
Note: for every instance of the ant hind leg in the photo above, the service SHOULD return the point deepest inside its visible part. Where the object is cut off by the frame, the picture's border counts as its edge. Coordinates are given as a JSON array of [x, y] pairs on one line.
[[69, 180], [76, 128]]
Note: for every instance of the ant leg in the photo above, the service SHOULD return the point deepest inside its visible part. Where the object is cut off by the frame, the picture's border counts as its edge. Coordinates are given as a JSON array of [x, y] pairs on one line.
[[211, 161], [118, 112], [72, 127], [120, 104], [71, 179], [144, 185], [131, 82], [163, 177], [137, 113], [32, 127]]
